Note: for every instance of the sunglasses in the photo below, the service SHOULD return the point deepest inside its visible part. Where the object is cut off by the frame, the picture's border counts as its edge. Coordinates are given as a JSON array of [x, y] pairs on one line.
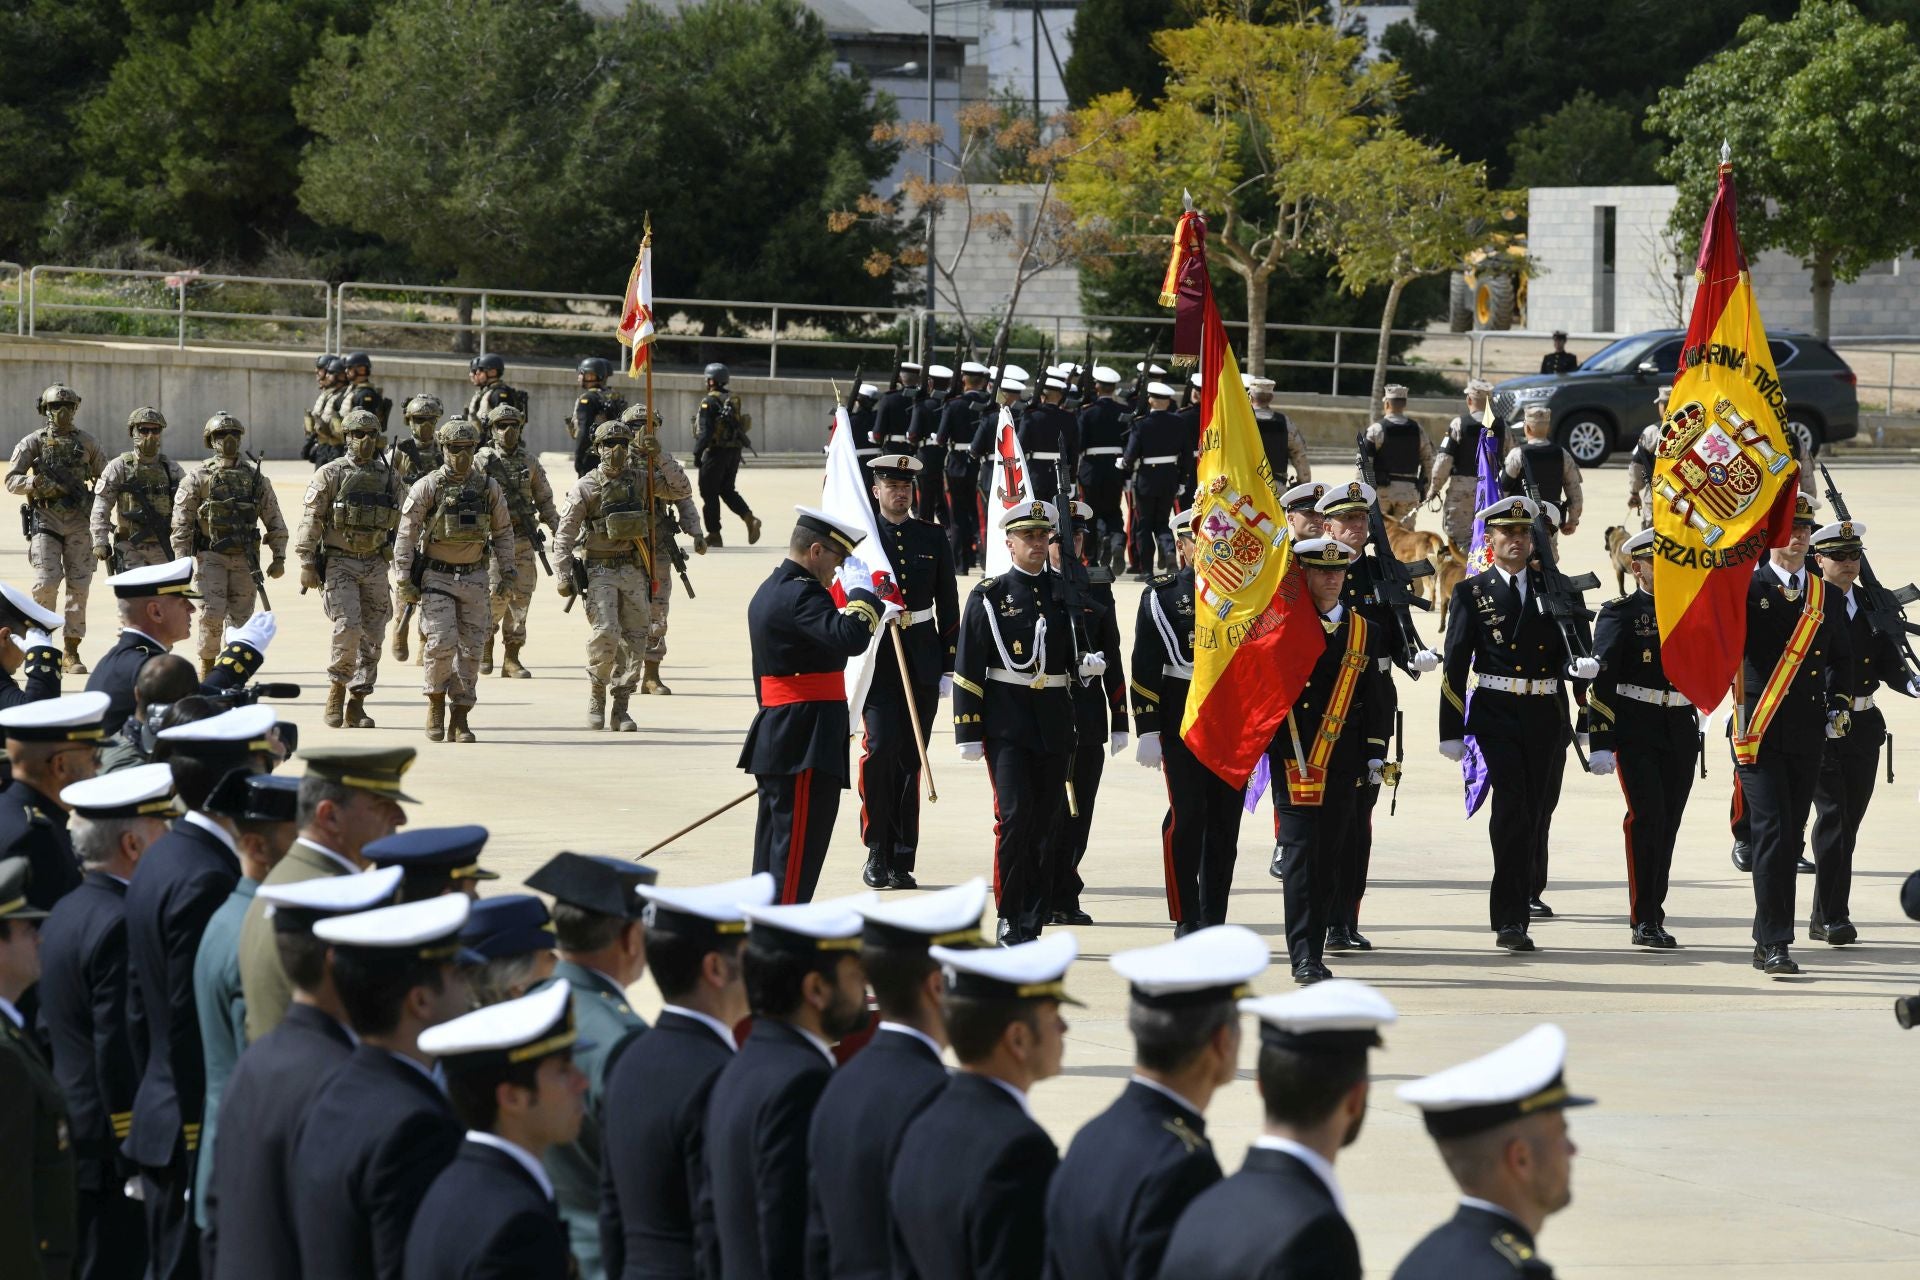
[[1839, 555], [148, 431]]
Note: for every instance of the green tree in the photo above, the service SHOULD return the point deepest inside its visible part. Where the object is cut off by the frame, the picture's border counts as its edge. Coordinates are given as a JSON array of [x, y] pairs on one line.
[[1586, 143], [1113, 49], [53, 55], [1823, 156]]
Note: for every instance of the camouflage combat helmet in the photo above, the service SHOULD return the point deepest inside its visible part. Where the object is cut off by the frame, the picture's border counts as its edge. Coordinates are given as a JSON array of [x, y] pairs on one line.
[[358, 420], [457, 431], [58, 393], [613, 433], [146, 413], [423, 406], [219, 422], [502, 416]]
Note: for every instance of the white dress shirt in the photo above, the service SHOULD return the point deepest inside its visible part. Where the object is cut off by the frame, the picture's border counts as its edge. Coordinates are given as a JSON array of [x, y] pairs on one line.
[[1322, 1168], [719, 1028], [519, 1154], [205, 823]]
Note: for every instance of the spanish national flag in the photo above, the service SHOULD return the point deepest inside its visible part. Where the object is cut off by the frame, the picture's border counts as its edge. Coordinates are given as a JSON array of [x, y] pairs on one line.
[[1255, 635], [636, 308], [1723, 478]]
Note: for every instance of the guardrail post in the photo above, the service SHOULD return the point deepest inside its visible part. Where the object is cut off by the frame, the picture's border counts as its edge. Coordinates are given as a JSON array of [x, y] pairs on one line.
[[483, 323], [1336, 363], [773, 346], [180, 291], [33, 279], [1891, 357]]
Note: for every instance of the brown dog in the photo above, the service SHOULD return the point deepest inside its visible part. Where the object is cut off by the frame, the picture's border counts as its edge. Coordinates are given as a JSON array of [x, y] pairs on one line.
[[1413, 545], [1617, 536], [1449, 567]]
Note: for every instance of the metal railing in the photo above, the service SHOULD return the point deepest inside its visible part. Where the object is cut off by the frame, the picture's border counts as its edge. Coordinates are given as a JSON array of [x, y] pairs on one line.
[[13, 279], [48, 285]]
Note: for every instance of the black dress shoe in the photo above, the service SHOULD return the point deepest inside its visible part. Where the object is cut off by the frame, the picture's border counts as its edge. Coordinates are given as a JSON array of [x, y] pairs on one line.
[[1652, 935], [1073, 916], [1323, 971], [1804, 867], [1182, 928], [1357, 942], [1774, 961], [1306, 973], [1835, 933], [1006, 935], [1337, 939], [1056, 917], [1273, 868], [1513, 940], [1539, 910], [1742, 856], [901, 880], [874, 875]]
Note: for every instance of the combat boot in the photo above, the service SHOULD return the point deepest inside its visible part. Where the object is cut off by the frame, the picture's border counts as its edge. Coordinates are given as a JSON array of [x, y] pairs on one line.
[[714, 540], [336, 700], [400, 640], [75, 667], [618, 720], [753, 529], [486, 658], [457, 730], [436, 717], [651, 681], [596, 704], [512, 668], [356, 715]]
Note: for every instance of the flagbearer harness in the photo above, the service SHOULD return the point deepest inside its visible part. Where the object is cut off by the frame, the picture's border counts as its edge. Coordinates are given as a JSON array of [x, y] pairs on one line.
[[1307, 771], [1746, 746]]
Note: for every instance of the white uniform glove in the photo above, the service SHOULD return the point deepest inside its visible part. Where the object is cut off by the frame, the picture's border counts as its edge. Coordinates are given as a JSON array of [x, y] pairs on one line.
[[1146, 752], [973, 752], [1913, 688], [1581, 738], [256, 632], [1584, 668], [1092, 665], [853, 575], [1453, 749], [889, 611], [38, 639], [946, 686], [1117, 742], [1600, 762], [1376, 772], [1425, 660]]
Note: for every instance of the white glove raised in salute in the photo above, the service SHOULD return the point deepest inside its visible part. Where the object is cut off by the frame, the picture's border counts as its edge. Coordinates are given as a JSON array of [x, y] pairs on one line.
[[853, 575], [256, 632]]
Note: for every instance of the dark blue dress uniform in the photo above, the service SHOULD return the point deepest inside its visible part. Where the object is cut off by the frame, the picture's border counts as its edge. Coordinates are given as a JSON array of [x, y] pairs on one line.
[[35, 828], [1274, 1219], [84, 1008], [969, 1187], [1049, 436], [1158, 446], [756, 1151], [1102, 431], [959, 419], [1475, 1244], [889, 761], [893, 419], [1189, 416], [486, 1218], [1199, 837], [796, 747], [924, 442], [374, 1138], [1099, 711], [116, 671], [1028, 732], [42, 671], [1129, 1174], [37, 1209], [851, 1145], [250, 1208]]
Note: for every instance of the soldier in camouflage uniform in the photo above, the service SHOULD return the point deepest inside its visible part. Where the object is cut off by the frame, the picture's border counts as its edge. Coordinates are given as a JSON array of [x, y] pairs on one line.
[[133, 499], [344, 546], [324, 443], [1640, 465], [410, 459], [1456, 472], [604, 523], [363, 393], [218, 513], [674, 513], [54, 470], [530, 502], [490, 390], [597, 404], [451, 520]]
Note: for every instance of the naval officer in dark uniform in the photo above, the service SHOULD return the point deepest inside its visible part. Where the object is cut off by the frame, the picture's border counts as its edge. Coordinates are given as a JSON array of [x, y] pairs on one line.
[[656, 1218], [36, 658], [1158, 445], [960, 419], [51, 745], [1134, 1168], [1102, 432], [796, 748], [889, 759], [1049, 437], [37, 1210], [1501, 1125], [930, 486], [156, 613], [1282, 1216]]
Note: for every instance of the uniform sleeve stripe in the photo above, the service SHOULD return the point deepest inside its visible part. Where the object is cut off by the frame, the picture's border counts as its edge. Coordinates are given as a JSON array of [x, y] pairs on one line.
[[1146, 693], [961, 682], [1454, 698], [1594, 704], [861, 609]]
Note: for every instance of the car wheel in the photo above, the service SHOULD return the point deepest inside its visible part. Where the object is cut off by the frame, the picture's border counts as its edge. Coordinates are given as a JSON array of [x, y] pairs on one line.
[[1805, 430], [1588, 437]]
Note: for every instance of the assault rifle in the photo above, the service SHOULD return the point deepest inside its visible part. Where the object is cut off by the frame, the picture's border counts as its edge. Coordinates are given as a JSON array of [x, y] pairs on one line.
[[1560, 597], [1394, 770], [253, 548], [1137, 399], [679, 559], [1393, 579], [893, 383], [417, 575], [1885, 608]]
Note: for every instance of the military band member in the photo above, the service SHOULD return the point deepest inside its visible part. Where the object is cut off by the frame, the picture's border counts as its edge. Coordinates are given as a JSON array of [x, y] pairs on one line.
[[1157, 446], [1133, 1169], [1519, 717], [350, 514], [1102, 433], [719, 438], [930, 487], [523, 482], [867, 1105], [889, 770], [1401, 454], [968, 1192], [1500, 1123], [1049, 437], [454, 520], [50, 745], [1283, 1214], [656, 1218], [673, 514], [133, 498], [1640, 465], [322, 443], [1100, 727], [960, 419], [219, 513], [487, 373], [38, 1209], [156, 613], [54, 469], [598, 403], [808, 991], [1456, 472], [601, 538], [1285, 445]]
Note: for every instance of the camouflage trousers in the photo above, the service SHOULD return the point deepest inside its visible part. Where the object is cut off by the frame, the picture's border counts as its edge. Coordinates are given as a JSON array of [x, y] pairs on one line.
[[357, 600], [454, 615], [228, 596], [1459, 509], [659, 603], [510, 606], [63, 553], [138, 555], [1399, 499], [617, 612]]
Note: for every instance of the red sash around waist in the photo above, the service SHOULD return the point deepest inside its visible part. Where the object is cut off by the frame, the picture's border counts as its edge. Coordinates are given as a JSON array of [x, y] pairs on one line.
[[812, 686]]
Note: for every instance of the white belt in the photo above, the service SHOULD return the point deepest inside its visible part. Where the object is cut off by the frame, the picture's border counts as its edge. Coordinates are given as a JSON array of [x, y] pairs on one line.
[[1165, 460], [1026, 682], [1043, 457], [915, 617], [860, 452], [1181, 672], [896, 440], [1863, 704], [1653, 697], [1100, 451], [1508, 684]]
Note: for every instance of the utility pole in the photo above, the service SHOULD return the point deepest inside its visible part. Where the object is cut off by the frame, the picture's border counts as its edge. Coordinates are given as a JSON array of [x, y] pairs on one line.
[[1036, 63]]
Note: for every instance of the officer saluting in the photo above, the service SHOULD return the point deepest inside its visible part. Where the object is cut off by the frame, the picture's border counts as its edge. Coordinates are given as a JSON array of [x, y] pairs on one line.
[[37, 1215], [1134, 1168], [36, 657], [1282, 1214], [1500, 1123]]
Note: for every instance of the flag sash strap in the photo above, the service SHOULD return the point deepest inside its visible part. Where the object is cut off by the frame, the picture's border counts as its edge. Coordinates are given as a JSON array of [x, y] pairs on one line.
[[1307, 779], [1746, 746]]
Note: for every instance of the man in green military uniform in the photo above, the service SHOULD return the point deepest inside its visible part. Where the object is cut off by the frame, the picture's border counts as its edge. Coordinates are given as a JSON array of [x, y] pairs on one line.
[[218, 513], [38, 1205], [530, 503], [596, 917], [673, 513], [54, 469], [412, 458], [133, 499], [345, 544], [604, 523]]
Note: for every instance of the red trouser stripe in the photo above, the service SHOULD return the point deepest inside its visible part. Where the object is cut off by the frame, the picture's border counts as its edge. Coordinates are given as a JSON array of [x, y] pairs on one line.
[[797, 845], [866, 753], [1738, 805]]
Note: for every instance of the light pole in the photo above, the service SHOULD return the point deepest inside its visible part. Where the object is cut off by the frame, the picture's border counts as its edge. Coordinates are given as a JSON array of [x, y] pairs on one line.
[[908, 68]]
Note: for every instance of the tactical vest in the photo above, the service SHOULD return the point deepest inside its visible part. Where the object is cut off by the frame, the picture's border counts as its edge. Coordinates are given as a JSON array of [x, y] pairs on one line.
[[1548, 469], [364, 513], [463, 515], [144, 509], [1399, 452], [515, 476], [730, 422], [230, 513], [622, 518], [63, 458], [422, 458], [1273, 434]]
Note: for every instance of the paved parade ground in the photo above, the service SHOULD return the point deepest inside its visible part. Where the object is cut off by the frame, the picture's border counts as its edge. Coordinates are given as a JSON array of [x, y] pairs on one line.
[[1746, 1126]]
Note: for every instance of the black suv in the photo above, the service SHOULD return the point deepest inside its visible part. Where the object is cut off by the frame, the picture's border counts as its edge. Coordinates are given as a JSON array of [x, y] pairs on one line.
[[1602, 405]]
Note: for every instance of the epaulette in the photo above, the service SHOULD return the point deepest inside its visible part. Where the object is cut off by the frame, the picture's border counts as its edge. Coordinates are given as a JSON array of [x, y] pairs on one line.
[[984, 583], [1161, 579], [1513, 1249], [1177, 1126]]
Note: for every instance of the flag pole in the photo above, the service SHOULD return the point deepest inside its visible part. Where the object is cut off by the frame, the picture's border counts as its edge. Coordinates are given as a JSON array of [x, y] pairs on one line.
[[913, 712]]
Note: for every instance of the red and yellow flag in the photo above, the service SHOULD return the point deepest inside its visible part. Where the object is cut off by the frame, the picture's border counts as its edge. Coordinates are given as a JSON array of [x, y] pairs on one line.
[[1255, 633], [636, 308], [1723, 478]]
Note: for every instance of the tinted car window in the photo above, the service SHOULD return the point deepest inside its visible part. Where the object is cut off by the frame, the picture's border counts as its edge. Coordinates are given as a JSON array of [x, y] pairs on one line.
[[1619, 357], [1783, 353], [1666, 356]]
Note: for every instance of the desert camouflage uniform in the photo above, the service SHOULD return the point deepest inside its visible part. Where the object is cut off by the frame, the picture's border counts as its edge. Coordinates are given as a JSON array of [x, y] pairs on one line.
[[60, 550], [218, 513], [455, 524], [353, 511], [603, 520], [129, 488]]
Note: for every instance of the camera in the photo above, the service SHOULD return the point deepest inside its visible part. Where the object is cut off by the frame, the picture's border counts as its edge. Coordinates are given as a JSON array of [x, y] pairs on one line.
[[1906, 1010]]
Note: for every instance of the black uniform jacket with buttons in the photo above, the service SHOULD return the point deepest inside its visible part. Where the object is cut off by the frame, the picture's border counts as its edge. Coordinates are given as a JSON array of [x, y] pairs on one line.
[[655, 1216], [35, 828], [375, 1137], [969, 1187], [183, 878], [1159, 696], [925, 419], [1130, 1173], [38, 1207], [756, 1151], [115, 673], [84, 1001], [1490, 635], [1362, 592], [42, 678], [485, 1218], [1475, 1245], [1273, 427], [1100, 705], [1050, 428], [1626, 640], [851, 1147], [1877, 661], [1039, 719], [922, 561], [1369, 720], [1159, 434], [893, 414], [1825, 679], [796, 629], [1274, 1219], [1102, 427], [250, 1197], [959, 419]]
